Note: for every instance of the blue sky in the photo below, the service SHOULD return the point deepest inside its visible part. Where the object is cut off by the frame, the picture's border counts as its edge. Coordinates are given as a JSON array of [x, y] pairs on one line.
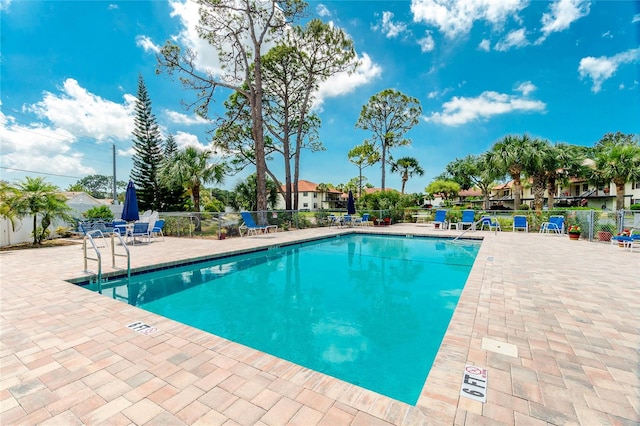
[[565, 70]]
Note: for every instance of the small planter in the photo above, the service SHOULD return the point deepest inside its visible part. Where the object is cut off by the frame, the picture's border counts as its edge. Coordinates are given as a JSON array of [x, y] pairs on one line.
[[574, 236], [604, 235]]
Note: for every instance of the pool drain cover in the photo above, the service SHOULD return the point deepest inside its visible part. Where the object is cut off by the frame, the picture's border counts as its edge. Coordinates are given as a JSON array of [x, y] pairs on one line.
[[500, 347]]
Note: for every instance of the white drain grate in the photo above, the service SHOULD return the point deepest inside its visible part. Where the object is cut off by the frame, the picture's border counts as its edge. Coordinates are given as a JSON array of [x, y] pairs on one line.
[[499, 347]]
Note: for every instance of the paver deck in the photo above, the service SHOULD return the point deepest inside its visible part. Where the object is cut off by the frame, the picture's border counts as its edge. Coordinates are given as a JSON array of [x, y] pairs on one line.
[[570, 308]]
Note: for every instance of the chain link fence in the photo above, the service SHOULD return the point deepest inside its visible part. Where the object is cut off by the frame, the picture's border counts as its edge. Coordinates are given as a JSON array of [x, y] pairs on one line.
[[595, 225]]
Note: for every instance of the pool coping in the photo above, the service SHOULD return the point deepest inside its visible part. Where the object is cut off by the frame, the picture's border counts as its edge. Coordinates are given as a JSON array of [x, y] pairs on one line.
[[440, 402]]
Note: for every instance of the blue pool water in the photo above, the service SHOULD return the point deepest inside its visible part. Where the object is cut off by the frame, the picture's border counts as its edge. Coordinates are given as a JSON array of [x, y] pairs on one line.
[[368, 309]]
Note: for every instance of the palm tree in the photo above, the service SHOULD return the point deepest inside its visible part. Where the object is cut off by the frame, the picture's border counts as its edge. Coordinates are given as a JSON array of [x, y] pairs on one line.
[[7, 194], [537, 168], [246, 195], [37, 197], [509, 156], [617, 160], [564, 160], [191, 169], [474, 171], [322, 188], [407, 167]]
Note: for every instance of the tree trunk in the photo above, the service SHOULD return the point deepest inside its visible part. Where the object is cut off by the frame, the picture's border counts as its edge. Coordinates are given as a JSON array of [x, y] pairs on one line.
[[257, 131], [196, 206], [619, 195], [551, 191], [538, 192], [384, 161], [35, 225], [517, 188]]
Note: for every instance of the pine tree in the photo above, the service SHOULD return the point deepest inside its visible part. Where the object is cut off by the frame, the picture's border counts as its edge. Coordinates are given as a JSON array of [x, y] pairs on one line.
[[148, 152], [172, 195]]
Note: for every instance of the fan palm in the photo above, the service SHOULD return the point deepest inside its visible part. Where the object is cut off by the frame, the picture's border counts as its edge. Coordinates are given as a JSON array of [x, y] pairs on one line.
[[191, 169], [407, 167], [37, 197], [617, 160], [509, 156]]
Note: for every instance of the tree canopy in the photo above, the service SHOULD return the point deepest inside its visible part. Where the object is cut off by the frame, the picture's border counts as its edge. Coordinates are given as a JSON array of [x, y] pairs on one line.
[[388, 115]]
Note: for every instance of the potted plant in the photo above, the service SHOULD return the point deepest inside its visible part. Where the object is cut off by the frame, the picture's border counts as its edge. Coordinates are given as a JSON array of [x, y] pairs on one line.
[[574, 232], [223, 233], [624, 233]]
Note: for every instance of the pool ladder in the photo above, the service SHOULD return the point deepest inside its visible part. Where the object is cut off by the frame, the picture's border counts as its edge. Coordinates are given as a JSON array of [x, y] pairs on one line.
[[473, 227], [98, 276]]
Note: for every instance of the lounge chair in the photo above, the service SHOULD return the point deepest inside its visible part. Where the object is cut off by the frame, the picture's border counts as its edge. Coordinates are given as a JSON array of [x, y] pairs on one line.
[[140, 229], [157, 229], [627, 241], [440, 219], [468, 218], [488, 222], [555, 225], [364, 220], [251, 227], [520, 222]]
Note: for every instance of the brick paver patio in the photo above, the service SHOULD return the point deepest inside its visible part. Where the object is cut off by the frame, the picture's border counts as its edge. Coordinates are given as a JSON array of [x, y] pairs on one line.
[[571, 310]]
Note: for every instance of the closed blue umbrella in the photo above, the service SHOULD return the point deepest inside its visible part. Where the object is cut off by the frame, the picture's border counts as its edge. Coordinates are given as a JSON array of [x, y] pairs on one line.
[[130, 209], [351, 205]]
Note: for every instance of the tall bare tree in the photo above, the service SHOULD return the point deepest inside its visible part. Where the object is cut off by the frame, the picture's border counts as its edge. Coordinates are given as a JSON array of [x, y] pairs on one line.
[[389, 115], [363, 156], [239, 31]]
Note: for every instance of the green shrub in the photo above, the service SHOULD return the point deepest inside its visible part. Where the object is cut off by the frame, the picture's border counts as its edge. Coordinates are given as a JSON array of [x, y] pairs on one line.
[[635, 207], [100, 212]]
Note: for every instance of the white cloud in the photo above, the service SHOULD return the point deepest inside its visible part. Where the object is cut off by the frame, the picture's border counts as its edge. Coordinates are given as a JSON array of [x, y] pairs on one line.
[[514, 39], [208, 61], [389, 28], [607, 35], [179, 118], [438, 94], [187, 12], [562, 14], [526, 88], [4, 5], [65, 119], [113, 6], [41, 148], [601, 69], [454, 17], [427, 43], [344, 83], [84, 114], [461, 110], [322, 10], [147, 44], [636, 18], [184, 140], [485, 45]]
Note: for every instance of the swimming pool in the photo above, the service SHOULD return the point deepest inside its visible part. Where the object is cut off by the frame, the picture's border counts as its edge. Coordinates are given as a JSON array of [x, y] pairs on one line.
[[368, 309]]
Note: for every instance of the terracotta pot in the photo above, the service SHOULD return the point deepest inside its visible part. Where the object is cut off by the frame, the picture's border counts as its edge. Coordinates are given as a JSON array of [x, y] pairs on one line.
[[604, 236], [574, 236]]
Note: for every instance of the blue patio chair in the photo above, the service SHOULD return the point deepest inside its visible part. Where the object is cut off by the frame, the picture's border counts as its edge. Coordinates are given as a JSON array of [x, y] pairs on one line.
[[120, 226], [468, 218], [140, 229], [157, 229], [440, 219], [251, 227], [520, 222], [364, 220], [488, 222], [627, 241], [555, 225]]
